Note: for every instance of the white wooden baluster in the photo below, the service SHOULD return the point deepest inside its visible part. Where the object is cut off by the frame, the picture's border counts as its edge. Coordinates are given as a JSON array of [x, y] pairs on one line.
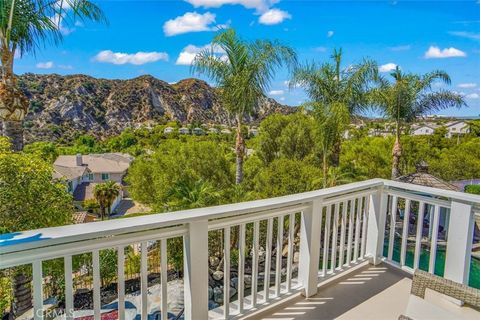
[[291, 238], [343, 227], [195, 268], [351, 213], [121, 282], [144, 279], [164, 278], [278, 262], [418, 239], [268, 257], [96, 284], [366, 210], [357, 228], [326, 240], [256, 228], [37, 290], [459, 244], [333, 265], [241, 267], [67, 263], [433, 244], [310, 244], [226, 273], [406, 225], [393, 222]]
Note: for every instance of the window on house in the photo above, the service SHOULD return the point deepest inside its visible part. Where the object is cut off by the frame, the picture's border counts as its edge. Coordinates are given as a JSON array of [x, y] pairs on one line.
[[70, 186], [90, 177], [105, 176]]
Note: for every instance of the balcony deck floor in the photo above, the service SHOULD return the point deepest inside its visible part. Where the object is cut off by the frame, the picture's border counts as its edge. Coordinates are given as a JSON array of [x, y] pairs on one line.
[[371, 292]]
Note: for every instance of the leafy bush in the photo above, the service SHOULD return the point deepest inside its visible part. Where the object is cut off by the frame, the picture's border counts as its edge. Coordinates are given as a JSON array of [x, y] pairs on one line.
[[473, 188]]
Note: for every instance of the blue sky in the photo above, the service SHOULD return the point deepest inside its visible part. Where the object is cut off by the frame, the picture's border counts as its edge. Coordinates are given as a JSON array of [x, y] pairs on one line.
[[161, 37]]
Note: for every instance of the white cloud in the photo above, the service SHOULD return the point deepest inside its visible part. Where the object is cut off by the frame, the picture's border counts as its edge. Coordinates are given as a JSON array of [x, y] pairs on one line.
[[330, 33], [282, 99], [276, 92], [65, 66], [473, 96], [387, 67], [189, 22], [467, 85], [401, 48], [259, 5], [189, 52], [274, 16], [435, 53], [138, 58], [465, 34], [45, 65], [320, 49]]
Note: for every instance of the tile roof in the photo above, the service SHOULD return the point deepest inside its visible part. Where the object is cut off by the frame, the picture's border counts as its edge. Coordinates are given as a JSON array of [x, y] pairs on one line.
[[66, 165]]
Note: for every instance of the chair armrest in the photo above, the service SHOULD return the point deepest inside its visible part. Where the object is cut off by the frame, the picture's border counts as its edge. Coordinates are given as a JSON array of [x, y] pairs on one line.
[[423, 280]]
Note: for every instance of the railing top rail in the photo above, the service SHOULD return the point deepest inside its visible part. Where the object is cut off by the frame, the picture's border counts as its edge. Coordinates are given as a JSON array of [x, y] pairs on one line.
[[452, 195], [24, 240]]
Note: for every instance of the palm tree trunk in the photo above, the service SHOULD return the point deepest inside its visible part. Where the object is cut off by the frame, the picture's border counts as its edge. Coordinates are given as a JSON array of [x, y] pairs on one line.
[[396, 154], [337, 147], [22, 294], [240, 151], [14, 131]]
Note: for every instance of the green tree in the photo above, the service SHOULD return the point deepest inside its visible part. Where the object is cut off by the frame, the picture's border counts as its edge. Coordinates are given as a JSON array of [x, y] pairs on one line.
[[335, 93], [153, 176], [408, 97], [25, 26], [243, 74], [28, 197], [285, 176], [45, 150], [105, 193]]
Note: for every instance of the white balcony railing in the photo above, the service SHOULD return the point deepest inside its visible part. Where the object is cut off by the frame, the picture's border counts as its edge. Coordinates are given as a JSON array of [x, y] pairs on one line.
[[339, 228]]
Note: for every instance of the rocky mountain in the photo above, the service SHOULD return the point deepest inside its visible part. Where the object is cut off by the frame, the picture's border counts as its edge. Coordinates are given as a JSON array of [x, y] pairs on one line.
[[62, 106]]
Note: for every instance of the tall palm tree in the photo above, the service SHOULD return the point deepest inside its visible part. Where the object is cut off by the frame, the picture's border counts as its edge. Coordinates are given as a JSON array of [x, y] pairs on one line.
[[25, 26], [409, 96], [335, 91], [243, 72], [105, 193]]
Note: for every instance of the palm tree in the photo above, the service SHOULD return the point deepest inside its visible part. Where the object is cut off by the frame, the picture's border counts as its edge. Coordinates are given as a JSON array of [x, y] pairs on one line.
[[189, 194], [105, 193], [410, 96], [243, 72], [336, 93], [26, 25]]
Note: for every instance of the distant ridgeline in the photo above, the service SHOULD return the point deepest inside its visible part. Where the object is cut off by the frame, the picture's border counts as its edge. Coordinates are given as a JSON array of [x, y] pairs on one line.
[[62, 106]]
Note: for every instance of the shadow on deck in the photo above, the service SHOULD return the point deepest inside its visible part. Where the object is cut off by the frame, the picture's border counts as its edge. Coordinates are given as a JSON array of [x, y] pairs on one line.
[[371, 292]]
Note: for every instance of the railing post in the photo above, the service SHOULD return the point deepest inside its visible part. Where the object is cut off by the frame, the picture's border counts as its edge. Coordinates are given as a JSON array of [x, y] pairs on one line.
[[310, 225], [459, 244], [196, 270], [376, 215]]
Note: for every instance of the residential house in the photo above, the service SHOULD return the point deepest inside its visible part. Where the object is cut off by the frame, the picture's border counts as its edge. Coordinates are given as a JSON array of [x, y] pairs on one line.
[[184, 130], [422, 130], [198, 131], [168, 130], [84, 172], [455, 128], [213, 130]]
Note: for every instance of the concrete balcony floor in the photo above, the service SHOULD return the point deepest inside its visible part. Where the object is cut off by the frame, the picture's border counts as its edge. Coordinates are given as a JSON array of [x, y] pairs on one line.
[[370, 292]]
